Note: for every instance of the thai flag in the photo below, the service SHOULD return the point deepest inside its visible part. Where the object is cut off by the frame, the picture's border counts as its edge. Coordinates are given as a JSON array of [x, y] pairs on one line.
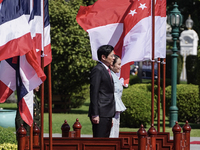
[[127, 26], [47, 38], [15, 32], [21, 72], [24, 74], [40, 28]]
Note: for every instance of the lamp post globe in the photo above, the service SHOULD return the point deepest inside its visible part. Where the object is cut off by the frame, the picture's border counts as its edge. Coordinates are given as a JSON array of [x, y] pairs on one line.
[[175, 20]]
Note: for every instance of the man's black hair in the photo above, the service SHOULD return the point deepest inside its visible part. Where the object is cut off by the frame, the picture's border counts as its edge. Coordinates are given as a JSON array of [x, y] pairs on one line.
[[104, 50]]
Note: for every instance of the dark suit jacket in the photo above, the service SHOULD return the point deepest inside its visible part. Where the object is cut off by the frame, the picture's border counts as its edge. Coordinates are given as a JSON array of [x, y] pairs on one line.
[[101, 93]]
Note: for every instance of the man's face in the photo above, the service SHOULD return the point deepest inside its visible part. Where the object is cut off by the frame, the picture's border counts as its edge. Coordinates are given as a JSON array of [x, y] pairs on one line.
[[109, 60]]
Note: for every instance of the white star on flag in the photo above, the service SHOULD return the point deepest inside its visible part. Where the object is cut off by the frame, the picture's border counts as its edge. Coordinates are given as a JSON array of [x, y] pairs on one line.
[[142, 6], [133, 12]]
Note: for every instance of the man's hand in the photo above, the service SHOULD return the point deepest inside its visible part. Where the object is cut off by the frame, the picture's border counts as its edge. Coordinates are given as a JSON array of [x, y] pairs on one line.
[[95, 119]]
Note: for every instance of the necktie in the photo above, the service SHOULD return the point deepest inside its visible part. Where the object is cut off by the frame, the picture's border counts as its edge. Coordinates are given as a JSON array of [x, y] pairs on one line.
[[110, 74]]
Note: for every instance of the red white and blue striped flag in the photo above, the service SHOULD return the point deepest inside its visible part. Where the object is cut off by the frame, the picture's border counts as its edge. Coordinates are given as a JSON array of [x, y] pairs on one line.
[[47, 39], [15, 32], [40, 28], [127, 26], [21, 72], [24, 74]]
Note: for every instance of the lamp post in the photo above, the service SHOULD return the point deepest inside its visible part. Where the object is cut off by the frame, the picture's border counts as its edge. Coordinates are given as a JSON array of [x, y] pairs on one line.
[[175, 20]]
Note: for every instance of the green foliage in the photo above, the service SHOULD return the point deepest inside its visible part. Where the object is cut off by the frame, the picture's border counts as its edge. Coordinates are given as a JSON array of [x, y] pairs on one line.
[[89, 2], [78, 99], [137, 99], [134, 79], [72, 59], [7, 136], [8, 146], [188, 102], [167, 82], [191, 68]]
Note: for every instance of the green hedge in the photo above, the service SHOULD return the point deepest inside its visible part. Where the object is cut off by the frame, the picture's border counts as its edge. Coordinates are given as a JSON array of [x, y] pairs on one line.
[[7, 135], [167, 82], [137, 99], [188, 102], [8, 146], [134, 79]]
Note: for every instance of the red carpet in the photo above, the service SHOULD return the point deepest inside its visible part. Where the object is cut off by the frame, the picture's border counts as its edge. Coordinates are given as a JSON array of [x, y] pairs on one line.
[[195, 142]]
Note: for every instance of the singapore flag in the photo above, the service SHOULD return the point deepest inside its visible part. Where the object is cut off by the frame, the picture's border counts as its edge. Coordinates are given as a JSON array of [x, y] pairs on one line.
[[127, 26]]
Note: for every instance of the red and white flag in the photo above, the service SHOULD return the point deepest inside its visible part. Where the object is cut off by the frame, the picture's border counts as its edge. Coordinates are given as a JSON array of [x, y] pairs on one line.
[[160, 29], [127, 26]]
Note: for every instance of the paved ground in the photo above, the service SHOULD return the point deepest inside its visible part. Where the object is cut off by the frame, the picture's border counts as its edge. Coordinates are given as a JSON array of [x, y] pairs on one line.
[[192, 146]]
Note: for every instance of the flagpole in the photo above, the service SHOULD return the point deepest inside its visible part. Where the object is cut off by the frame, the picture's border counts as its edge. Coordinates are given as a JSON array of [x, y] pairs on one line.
[[31, 137], [49, 89], [42, 107], [158, 101], [50, 107], [152, 62], [163, 103], [31, 127], [42, 91]]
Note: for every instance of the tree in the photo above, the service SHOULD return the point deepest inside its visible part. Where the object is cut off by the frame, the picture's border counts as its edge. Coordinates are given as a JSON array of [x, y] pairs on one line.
[[71, 53]]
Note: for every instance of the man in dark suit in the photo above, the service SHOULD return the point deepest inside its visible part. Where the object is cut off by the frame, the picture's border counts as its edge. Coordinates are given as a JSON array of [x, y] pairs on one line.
[[102, 104]]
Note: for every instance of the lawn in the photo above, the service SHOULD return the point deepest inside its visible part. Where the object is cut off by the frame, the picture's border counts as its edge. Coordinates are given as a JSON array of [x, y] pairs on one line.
[[81, 113]]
